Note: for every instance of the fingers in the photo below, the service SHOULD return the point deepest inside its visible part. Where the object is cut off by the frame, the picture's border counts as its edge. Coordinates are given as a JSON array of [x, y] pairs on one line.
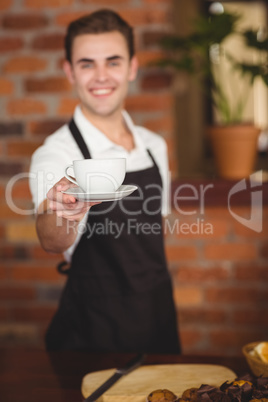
[[55, 193], [72, 215], [67, 206]]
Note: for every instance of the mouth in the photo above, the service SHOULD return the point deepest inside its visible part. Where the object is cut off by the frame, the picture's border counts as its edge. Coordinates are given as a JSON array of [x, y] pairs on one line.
[[101, 91]]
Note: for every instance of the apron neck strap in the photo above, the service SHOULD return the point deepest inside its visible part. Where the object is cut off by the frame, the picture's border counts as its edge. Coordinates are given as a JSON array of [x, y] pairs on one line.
[[79, 139], [82, 145]]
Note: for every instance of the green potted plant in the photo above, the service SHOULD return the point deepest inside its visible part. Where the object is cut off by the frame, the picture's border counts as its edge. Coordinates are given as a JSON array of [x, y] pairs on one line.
[[202, 54]]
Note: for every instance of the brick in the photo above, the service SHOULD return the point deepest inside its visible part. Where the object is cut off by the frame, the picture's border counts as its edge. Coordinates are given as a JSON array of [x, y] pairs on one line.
[[8, 252], [52, 41], [6, 87], [235, 295], [51, 84], [160, 2], [249, 318], [10, 44], [251, 272], [164, 123], [59, 63], [48, 3], [41, 272], [194, 227], [11, 128], [22, 148], [234, 339], [66, 106], [37, 253], [231, 251], [219, 212], [6, 212], [220, 228], [147, 58], [24, 64], [104, 2], [20, 208], [16, 332], [24, 21], [33, 314], [155, 81], [152, 38], [21, 232], [149, 102], [180, 253], [26, 106], [264, 250], [173, 164], [2, 191], [4, 313], [145, 15], [189, 338], [5, 5], [21, 190], [49, 293], [243, 231], [202, 315], [64, 19], [10, 293], [9, 169], [3, 273], [135, 16], [189, 296], [2, 232], [45, 127], [192, 274]]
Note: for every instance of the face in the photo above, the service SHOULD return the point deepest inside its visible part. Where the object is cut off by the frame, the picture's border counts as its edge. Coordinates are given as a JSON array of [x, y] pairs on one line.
[[101, 71]]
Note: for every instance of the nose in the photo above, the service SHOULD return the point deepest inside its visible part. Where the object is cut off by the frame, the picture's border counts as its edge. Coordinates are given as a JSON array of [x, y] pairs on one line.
[[101, 73]]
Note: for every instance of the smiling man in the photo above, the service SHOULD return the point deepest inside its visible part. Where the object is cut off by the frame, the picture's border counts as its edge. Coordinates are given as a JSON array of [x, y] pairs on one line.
[[118, 295]]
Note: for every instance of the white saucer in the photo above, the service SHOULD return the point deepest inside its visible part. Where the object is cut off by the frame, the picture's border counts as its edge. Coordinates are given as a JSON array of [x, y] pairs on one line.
[[122, 192]]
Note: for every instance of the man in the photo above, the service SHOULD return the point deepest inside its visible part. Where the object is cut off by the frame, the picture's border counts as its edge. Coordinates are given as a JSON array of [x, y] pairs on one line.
[[118, 296]]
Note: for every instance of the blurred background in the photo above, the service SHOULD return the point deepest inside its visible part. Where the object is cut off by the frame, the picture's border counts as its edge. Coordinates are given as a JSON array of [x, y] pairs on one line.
[[218, 265]]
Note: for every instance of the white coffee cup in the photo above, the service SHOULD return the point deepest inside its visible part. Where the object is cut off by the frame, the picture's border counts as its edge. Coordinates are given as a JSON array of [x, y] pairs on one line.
[[98, 175]]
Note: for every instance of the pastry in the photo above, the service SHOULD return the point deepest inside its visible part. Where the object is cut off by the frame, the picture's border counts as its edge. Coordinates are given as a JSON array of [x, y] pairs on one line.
[[161, 395]]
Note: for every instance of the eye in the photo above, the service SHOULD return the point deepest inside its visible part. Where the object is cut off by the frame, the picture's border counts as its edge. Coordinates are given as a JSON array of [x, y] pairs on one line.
[[87, 65], [114, 63]]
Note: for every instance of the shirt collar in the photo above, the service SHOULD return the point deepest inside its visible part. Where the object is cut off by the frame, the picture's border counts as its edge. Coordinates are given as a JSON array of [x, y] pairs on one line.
[[96, 141]]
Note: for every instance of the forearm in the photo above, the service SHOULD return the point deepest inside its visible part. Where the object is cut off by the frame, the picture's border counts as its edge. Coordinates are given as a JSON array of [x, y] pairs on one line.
[[58, 218], [55, 234]]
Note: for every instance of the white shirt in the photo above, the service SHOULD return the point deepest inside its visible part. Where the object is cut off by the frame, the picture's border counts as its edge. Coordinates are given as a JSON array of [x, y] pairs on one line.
[[60, 149]]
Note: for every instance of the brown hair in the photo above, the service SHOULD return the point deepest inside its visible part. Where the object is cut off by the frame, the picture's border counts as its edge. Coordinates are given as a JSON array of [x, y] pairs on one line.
[[98, 22]]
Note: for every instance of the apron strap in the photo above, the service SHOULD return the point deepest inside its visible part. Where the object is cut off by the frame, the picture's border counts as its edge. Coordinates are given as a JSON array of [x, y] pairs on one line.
[[63, 268], [79, 139], [82, 145], [151, 156]]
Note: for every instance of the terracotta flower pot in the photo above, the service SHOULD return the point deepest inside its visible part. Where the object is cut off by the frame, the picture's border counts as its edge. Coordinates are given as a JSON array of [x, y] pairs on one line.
[[235, 149]]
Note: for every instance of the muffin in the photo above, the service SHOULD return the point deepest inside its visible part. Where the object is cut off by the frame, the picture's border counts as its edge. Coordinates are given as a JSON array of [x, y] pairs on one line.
[[161, 395], [189, 395]]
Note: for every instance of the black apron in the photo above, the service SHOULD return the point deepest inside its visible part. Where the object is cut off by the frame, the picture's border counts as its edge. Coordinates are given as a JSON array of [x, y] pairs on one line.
[[118, 295]]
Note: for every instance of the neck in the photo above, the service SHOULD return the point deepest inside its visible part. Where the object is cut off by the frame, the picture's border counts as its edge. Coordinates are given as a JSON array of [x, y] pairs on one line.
[[114, 128]]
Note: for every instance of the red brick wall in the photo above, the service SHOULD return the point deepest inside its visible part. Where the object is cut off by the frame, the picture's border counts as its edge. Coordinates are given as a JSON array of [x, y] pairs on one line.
[[220, 280]]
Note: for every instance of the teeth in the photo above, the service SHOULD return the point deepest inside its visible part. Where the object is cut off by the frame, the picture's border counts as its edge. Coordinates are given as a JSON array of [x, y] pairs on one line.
[[101, 91]]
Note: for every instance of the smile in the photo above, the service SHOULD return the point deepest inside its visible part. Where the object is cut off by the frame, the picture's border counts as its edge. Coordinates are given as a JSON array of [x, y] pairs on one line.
[[102, 91]]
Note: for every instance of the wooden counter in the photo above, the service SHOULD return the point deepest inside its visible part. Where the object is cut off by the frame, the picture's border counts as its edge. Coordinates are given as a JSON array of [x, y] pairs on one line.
[[32, 375]]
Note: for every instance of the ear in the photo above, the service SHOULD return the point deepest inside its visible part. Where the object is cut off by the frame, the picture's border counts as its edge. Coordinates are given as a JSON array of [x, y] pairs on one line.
[[134, 65], [67, 67]]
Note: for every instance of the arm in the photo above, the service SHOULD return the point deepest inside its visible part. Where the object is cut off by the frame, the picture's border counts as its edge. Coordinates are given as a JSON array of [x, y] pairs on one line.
[[58, 218]]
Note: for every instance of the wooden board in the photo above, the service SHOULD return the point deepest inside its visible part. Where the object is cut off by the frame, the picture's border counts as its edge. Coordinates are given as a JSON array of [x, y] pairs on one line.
[[136, 386]]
